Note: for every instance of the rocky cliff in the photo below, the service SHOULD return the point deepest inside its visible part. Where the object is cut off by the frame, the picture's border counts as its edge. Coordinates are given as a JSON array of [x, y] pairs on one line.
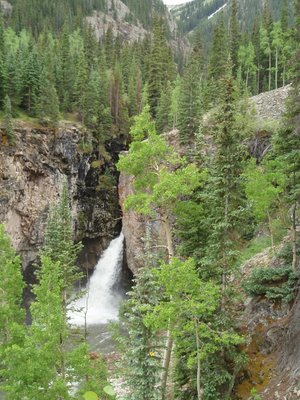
[[32, 172]]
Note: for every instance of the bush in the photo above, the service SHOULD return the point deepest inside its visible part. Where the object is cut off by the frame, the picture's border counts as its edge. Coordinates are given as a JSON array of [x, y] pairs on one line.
[[277, 284]]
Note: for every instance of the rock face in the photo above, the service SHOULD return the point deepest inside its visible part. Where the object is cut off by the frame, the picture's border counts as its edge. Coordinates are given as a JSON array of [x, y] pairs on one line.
[[115, 18], [32, 173], [273, 339], [135, 229], [119, 18], [6, 7]]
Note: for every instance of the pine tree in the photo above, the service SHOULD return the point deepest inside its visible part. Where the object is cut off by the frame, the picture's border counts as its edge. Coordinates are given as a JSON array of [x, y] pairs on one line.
[[190, 100], [161, 66], [90, 101], [80, 84], [64, 72], [163, 123], [234, 35], [31, 81], [59, 243], [218, 59], [140, 364], [287, 144], [48, 103], [224, 190], [8, 124]]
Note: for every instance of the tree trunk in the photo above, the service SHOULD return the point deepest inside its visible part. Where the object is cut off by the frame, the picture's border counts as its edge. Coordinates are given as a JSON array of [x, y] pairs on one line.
[[199, 390], [270, 70], [169, 344], [276, 69], [168, 233], [166, 363], [294, 238], [247, 77]]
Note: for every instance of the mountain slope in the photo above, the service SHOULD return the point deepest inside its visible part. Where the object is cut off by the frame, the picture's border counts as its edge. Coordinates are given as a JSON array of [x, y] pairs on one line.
[[41, 14], [203, 13]]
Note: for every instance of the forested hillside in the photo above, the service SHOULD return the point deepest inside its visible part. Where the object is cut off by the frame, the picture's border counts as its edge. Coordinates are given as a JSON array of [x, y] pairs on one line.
[[219, 221], [199, 14]]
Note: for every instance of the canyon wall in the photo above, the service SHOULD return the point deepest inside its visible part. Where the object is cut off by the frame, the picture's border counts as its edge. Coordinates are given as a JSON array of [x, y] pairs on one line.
[[32, 173]]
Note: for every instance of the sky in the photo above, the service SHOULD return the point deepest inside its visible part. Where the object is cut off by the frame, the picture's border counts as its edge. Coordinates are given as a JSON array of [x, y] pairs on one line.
[[173, 2]]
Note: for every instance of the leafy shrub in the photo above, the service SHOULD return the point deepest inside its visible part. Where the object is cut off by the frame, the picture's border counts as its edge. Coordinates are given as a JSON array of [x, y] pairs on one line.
[[277, 284]]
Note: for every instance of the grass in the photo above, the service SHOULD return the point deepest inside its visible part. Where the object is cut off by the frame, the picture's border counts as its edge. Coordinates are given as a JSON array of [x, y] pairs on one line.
[[255, 246], [262, 241]]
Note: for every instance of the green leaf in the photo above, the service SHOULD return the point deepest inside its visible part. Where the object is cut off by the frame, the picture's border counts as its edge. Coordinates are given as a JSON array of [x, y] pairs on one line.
[[90, 396], [109, 390]]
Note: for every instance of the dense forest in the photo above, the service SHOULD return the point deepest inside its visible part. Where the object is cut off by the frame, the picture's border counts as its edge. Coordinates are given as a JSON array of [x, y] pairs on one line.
[[217, 205]]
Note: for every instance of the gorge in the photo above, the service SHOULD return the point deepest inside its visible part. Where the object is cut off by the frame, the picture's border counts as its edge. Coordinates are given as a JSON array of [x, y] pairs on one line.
[[149, 156]]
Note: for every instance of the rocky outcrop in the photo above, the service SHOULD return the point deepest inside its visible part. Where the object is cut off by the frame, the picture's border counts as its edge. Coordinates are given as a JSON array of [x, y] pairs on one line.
[[269, 108], [32, 173], [115, 19], [119, 18], [271, 105], [273, 337]]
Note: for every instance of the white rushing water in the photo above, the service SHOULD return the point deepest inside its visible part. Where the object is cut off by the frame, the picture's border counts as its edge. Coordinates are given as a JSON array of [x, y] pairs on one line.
[[101, 302]]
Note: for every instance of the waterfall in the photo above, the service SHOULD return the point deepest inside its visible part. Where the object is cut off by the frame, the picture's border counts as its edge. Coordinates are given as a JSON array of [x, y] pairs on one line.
[[101, 302]]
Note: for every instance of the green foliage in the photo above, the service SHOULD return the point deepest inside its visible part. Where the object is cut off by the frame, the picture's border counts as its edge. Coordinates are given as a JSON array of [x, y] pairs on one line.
[[161, 66], [140, 348], [189, 306], [190, 99], [90, 396], [11, 294], [109, 390], [263, 185], [277, 284], [48, 105], [59, 244], [152, 162], [255, 395], [8, 124]]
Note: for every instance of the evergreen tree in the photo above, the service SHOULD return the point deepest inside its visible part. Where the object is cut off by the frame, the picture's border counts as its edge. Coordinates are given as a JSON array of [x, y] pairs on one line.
[[140, 364], [64, 72], [175, 102], [80, 84], [161, 66], [287, 144], [59, 244], [224, 190], [163, 123], [190, 102], [234, 35], [8, 124], [48, 103], [31, 81], [218, 59]]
